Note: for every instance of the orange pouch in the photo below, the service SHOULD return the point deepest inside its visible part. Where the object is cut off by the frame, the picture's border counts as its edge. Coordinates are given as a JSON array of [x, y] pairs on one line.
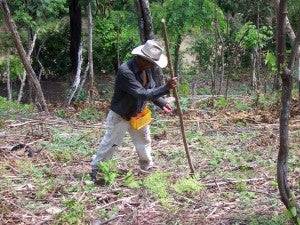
[[140, 120]]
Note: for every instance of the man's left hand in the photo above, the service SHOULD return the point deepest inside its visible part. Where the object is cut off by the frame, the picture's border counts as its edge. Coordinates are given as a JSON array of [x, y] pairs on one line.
[[167, 108]]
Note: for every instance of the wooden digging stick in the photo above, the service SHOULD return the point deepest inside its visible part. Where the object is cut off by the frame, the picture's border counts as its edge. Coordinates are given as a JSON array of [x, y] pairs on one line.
[[177, 98]]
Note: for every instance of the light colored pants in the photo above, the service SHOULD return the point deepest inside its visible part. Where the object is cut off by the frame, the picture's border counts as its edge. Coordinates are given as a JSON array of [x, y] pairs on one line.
[[116, 128]]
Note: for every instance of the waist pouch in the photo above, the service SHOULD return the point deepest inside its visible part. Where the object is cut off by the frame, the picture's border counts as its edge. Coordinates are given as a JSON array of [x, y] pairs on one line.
[[140, 120]]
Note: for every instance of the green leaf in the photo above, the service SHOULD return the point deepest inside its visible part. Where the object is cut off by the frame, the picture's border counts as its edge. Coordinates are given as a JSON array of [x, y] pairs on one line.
[[294, 211]]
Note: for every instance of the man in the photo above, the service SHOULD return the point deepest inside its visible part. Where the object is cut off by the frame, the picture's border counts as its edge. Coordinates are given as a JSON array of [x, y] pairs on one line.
[[134, 86]]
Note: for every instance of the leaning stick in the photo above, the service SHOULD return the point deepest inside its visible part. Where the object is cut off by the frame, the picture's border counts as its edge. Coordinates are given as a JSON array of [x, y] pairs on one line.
[[177, 97]]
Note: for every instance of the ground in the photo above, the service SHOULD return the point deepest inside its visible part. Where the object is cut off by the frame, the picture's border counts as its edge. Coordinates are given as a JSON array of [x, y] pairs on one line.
[[233, 148]]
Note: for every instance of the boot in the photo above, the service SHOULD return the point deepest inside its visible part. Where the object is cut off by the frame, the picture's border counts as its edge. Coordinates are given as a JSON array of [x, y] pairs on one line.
[[93, 174]]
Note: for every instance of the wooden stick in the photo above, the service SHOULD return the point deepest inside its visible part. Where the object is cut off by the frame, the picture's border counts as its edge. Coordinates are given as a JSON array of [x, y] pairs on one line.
[[177, 98]]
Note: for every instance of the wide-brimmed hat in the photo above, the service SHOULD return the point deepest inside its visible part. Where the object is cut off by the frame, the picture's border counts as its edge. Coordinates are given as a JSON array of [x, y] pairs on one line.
[[153, 52]]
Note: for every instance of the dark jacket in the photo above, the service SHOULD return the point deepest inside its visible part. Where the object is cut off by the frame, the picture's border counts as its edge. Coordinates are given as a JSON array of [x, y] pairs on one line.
[[130, 96]]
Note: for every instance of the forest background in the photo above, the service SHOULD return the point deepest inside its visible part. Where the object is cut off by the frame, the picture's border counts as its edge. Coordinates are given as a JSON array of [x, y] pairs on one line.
[[225, 55]]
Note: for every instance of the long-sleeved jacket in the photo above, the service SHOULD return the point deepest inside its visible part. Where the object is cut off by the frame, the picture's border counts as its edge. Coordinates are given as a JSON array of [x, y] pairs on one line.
[[130, 95]]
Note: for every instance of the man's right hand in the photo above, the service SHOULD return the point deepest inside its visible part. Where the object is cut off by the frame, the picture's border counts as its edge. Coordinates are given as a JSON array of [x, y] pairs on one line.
[[171, 83]]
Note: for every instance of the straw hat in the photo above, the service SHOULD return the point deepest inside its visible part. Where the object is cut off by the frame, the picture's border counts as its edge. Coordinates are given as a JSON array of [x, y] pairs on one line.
[[152, 51]]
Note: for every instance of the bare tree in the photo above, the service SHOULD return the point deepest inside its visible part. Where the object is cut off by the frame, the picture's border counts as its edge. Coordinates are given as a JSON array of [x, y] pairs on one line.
[[285, 67], [41, 103]]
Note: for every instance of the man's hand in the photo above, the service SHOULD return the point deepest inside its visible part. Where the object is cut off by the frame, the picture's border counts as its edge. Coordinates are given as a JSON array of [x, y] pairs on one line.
[[167, 108], [171, 83]]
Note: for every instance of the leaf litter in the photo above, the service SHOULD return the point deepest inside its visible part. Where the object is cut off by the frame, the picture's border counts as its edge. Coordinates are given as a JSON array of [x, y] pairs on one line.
[[234, 154]]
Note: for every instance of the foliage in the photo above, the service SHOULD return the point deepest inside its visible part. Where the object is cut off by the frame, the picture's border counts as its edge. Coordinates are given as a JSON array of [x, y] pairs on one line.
[[158, 184], [10, 109], [130, 181], [188, 185], [55, 52], [91, 114], [266, 101], [74, 214], [15, 67], [107, 44], [270, 61], [251, 36], [184, 88], [221, 103], [108, 171], [63, 145]]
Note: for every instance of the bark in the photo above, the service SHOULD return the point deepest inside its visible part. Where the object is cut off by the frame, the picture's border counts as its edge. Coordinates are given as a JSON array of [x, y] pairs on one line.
[[177, 57], [23, 79], [90, 50], [41, 103], [75, 34], [254, 59], [285, 72], [147, 33], [77, 77], [9, 95]]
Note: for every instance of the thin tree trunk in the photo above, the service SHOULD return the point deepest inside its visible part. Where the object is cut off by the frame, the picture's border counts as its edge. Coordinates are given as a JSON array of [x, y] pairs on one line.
[[23, 79], [177, 57], [77, 77], [254, 69], [18, 44], [90, 51], [83, 80], [9, 95], [75, 35], [285, 72], [147, 33]]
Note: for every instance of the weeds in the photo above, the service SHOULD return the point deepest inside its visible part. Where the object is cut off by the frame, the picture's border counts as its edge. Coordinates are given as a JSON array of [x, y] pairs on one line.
[[74, 213], [14, 109], [108, 171], [130, 181], [188, 185], [158, 184]]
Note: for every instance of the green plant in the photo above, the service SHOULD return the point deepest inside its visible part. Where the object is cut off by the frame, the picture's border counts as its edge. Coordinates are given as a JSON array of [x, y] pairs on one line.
[[157, 183], [130, 181], [188, 185], [184, 88], [91, 113], [241, 106], [61, 113], [12, 109], [63, 144], [108, 171], [221, 103], [73, 215]]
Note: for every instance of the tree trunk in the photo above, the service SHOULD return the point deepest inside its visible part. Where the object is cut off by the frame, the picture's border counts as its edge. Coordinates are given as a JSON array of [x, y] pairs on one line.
[[77, 77], [90, 50], [23, 79], [285, 72], [9, 95], [75, 34], [177, 57], [147, 33], [41, 103]]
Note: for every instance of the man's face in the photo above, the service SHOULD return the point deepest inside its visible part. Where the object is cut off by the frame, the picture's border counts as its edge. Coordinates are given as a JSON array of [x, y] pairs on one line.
[[145, 64]]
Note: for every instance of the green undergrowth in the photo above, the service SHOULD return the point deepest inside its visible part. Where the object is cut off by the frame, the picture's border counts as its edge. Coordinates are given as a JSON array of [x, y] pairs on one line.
[[65, 142], [14, 109]]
